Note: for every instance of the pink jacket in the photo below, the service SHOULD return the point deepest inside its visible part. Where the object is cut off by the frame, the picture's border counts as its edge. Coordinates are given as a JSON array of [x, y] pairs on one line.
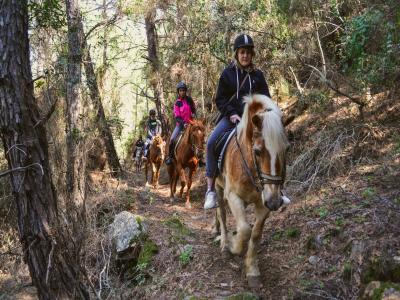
[[182, 111]]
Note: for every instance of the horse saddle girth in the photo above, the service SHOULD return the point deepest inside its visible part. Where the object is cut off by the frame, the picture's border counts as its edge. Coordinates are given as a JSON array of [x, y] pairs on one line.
[[221, 144]]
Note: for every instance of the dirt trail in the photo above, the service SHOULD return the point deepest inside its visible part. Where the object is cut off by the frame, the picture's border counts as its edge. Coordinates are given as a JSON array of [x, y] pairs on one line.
[[305, 249], [206, 274]]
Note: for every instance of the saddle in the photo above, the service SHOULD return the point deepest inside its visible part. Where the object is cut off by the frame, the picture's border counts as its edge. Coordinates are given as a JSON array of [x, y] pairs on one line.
[[221, 145], [178, 140]]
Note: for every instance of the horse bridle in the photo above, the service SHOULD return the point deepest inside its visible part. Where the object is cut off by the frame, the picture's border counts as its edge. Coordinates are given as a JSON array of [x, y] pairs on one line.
[[196, 150], [262, 178]]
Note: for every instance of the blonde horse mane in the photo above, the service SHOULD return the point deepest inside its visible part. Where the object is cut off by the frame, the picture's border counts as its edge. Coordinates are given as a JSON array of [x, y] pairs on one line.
[[272, 127]]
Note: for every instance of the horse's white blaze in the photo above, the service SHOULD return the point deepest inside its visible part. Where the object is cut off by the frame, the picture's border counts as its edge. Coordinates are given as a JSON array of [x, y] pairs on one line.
[[273, 159]]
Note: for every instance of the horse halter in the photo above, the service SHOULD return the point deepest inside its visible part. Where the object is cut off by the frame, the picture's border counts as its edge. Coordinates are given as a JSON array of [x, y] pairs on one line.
[[196, 150], [262, 178]]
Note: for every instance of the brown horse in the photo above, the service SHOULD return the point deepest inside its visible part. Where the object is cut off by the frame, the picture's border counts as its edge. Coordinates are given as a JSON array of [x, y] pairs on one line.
[[155, 159], [190, 147], [253, 173]]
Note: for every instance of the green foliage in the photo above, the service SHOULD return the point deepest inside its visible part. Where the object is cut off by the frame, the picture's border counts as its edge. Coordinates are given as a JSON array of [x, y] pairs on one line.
[[47, 13], [186, 255], [323, 212], [149, 249], [368, 192], [277, 235], [175, 223], [347, 271], [371, 48], [242, 296], [293, 233]]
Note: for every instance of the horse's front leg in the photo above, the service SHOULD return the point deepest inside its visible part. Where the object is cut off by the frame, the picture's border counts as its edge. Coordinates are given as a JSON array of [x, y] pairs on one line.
[[146, 171], [189, 185], [220, 221], [153, 174], [251, 262], [182, 178], [238, 241], [158, 173], [172, 184]]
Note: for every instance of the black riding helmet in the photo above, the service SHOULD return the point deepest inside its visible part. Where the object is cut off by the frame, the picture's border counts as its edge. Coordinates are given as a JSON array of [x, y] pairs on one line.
[[243, 40], [181, 85]]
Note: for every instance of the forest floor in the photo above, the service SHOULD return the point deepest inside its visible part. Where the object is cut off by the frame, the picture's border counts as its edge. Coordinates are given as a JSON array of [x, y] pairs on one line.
[[321, 246]]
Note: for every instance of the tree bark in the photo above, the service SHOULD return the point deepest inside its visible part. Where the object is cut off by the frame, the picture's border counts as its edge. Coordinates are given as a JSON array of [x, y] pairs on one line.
[[101, 122], [50, 259], [156, 82], [76, 156]]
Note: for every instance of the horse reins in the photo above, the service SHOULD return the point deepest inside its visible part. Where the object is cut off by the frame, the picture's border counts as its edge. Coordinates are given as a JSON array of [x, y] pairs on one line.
[[261, 178], [196, 150]]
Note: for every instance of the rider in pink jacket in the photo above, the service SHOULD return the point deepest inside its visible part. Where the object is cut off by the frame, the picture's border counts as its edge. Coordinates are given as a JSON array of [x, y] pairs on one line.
[[184, 110]]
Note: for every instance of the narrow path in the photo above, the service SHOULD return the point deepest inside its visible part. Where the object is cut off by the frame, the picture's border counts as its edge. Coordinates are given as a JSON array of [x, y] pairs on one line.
[[206, 274]]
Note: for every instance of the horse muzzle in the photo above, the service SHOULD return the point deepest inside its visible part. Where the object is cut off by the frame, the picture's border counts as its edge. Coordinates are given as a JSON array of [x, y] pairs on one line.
[[271, 197]]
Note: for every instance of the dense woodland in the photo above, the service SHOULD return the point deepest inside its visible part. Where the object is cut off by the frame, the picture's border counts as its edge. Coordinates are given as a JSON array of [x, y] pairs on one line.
[[77, 79]]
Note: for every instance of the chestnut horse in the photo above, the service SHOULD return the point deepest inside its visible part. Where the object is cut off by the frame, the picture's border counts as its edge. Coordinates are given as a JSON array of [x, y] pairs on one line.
[[155, 159], [253, 173], [188, 152]]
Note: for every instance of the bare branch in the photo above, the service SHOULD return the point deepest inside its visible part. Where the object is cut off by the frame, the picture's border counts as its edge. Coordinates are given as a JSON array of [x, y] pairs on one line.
[[106, 23], [22, 169]]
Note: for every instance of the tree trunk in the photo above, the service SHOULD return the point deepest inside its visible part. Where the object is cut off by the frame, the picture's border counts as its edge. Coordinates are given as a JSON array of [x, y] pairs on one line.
[[156, 81], [76, 157], [52, 266], [101, 122]]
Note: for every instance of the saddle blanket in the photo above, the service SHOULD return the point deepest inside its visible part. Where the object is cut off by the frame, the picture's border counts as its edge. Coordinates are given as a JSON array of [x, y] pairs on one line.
[[221, 145]]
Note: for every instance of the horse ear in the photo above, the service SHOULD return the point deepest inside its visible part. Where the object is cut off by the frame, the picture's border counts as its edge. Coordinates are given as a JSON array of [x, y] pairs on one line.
[[257, 120]]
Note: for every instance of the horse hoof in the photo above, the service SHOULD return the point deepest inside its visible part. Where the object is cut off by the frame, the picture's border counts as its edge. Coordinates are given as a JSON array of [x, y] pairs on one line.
[[254, 282], [226, 254]]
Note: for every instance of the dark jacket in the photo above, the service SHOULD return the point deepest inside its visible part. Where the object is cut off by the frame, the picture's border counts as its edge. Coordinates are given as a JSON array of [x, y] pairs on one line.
[[228, 85], [139, 143]]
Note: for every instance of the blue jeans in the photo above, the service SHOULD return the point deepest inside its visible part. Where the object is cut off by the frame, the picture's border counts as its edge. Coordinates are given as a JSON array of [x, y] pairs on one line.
[[174, 135], [211, 160]]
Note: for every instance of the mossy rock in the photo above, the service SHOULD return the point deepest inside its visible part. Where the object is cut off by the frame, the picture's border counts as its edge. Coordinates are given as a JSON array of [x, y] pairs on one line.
[[381, 269], [377, 290], [148, 250]]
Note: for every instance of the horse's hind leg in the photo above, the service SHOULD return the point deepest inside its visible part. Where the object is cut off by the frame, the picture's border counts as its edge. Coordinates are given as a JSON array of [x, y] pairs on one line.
[[252, 270], [238, 241]]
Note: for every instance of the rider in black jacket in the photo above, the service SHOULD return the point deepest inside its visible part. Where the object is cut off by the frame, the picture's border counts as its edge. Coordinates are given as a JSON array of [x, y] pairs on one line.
[[230, 87], [229, 84]]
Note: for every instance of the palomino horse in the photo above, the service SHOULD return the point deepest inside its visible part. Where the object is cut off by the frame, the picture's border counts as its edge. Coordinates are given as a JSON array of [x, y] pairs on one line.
[[155, 159], [138, 159], [253, 173], [190, 147]]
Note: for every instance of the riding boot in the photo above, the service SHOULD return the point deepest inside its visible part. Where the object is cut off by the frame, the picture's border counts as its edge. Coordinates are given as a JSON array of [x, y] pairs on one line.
[[168, 160], [201, 161]]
